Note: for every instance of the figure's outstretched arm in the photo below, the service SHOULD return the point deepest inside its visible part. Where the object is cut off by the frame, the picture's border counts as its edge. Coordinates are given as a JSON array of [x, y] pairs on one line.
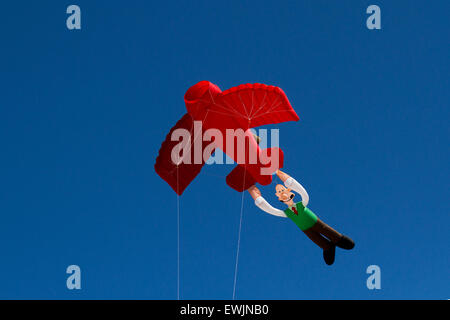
[[261, 203], [294, 185]]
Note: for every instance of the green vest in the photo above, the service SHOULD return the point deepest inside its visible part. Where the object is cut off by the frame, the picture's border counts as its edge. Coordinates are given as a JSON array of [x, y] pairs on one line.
[[305, 218]]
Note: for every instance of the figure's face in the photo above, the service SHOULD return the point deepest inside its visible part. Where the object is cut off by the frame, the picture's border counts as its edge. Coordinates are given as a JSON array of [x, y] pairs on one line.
[[283, 194]]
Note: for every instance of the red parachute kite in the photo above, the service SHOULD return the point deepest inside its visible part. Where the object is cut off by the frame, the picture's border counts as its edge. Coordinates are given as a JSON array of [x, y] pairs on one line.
[[243, 107]]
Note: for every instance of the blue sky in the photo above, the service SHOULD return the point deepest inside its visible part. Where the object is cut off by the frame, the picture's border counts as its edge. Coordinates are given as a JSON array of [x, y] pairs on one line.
[[83, 114]]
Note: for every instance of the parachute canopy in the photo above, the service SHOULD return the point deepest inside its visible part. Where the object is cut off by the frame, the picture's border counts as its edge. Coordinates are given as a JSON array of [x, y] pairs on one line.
[[242, 107]]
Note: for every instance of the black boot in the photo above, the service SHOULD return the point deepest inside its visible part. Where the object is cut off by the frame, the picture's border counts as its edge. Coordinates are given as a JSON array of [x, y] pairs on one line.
[[328, 255], [345, 243]]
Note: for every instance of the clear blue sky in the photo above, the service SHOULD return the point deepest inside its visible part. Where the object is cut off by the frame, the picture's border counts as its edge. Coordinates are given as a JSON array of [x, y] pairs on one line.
[[83, 114]]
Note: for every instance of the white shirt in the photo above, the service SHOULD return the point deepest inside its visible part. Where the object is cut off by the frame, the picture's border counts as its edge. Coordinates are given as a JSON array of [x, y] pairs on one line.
[[291, 183]]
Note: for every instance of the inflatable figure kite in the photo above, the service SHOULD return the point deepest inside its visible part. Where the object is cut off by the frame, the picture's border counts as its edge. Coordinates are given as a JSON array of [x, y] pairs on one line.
[[211, 113]]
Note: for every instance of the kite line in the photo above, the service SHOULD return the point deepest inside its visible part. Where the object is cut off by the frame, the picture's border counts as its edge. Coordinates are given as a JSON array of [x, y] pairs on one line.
[[239, 242], [178, 241]]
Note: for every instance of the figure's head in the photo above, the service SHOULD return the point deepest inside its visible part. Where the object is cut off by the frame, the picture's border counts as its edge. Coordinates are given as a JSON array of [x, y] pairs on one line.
[[284, 194]]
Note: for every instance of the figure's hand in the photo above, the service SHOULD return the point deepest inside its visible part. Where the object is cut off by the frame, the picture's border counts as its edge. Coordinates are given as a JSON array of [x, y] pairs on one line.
[[254, 192], [283, 176]]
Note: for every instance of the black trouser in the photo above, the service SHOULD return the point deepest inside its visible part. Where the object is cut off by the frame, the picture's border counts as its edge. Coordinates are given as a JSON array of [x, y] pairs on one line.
[[323, 235]]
